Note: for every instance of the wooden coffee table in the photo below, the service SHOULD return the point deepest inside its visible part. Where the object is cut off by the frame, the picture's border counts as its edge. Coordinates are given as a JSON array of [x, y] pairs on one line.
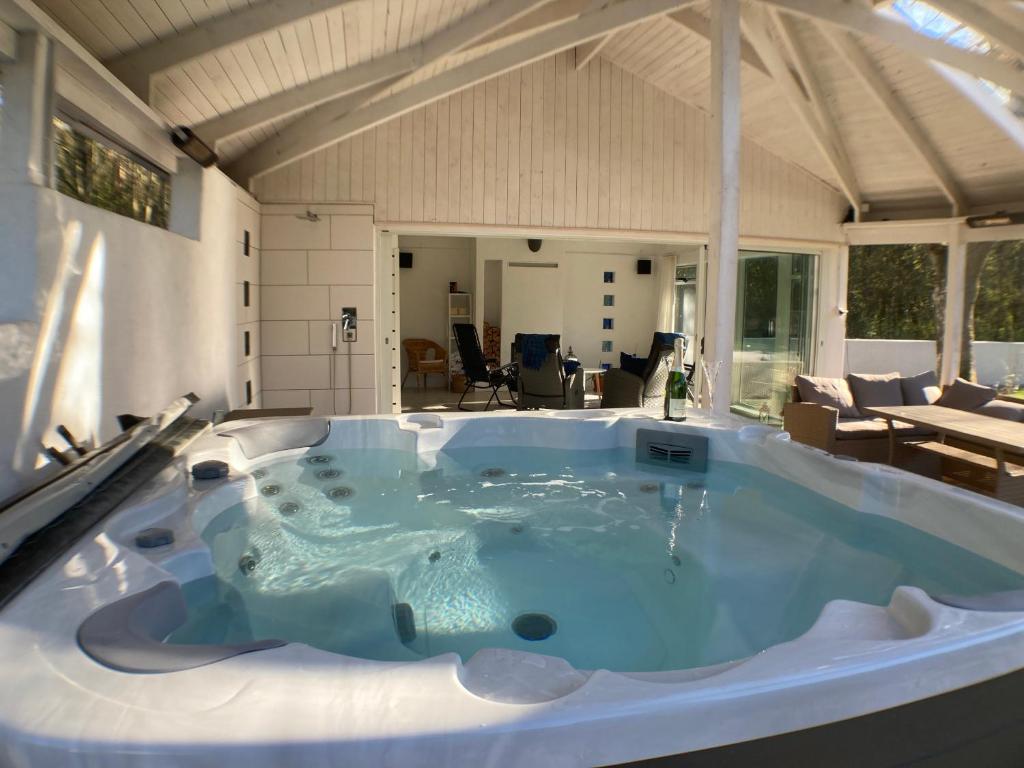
[[981, 452]]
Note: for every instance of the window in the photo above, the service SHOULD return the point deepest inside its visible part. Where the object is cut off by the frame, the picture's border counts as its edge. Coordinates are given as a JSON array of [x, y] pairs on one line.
[[609, 277], [608, 324], [933, 22], [91, 168], [609, 300], [606, 346]]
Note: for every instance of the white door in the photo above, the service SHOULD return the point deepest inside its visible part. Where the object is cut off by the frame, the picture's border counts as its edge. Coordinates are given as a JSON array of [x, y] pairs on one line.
[[532, 301], [389, 364]]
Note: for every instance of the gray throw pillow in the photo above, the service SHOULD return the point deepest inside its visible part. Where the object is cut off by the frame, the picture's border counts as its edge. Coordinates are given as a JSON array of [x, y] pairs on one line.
[[965, 396], [824, 391], [922, 389], [876, 390]]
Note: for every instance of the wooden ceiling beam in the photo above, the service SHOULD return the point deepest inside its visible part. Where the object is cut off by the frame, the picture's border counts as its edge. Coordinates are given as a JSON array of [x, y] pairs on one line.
[[996, 28], [135, 68], [872, 79], [756, 25], [328, 125], [701, 27], [590, 49], [368, 78], [864, 21]]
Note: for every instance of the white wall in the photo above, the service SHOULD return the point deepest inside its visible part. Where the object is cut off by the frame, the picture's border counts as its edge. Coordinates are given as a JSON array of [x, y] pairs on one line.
[[423, 290], [905, 356], [993, 359], [550, 146], [569, 299], [125, 317], [491, 297], [309, 271]]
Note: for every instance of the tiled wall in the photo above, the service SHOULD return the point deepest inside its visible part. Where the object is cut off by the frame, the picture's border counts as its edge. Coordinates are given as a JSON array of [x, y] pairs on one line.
[[247, 225], [309, 271]]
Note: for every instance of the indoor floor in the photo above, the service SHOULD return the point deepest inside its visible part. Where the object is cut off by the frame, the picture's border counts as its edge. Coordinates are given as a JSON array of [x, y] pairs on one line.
[[434, 399]]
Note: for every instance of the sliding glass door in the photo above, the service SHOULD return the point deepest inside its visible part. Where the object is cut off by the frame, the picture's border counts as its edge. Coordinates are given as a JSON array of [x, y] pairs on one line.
[[774, 330]]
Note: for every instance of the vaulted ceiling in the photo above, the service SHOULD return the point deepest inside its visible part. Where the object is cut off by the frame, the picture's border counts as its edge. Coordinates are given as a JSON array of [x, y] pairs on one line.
[[852, 94]]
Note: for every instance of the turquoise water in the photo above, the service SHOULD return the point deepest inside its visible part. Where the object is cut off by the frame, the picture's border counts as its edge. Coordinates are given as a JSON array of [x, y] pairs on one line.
[[639, 571]]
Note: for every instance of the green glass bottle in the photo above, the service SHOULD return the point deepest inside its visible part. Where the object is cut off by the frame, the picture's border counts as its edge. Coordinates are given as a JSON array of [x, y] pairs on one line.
[[675, 388]]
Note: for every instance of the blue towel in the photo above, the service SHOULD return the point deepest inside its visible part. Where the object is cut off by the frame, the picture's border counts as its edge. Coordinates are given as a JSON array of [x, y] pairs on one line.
[[534, 350]]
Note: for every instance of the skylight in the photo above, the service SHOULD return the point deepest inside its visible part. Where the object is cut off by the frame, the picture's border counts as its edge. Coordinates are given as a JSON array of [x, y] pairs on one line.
[[930, 21]]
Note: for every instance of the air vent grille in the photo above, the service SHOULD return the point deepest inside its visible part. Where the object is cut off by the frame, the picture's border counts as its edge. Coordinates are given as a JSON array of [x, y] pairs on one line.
[[671, 454], [671, 449]]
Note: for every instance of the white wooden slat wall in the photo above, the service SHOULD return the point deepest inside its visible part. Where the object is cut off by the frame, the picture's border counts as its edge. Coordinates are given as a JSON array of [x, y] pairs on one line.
[[549, 146]]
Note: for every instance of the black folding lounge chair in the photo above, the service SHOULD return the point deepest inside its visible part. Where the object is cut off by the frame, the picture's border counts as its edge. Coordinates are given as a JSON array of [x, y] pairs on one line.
[[479, 371]]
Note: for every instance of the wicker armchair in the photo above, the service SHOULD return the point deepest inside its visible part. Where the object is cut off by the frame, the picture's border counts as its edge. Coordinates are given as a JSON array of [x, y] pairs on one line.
[[425, 358]]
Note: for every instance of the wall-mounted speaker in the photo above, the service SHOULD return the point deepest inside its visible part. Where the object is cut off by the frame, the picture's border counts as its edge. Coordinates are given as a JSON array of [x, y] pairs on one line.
[[405, 260], [533, 244], [643, 266]]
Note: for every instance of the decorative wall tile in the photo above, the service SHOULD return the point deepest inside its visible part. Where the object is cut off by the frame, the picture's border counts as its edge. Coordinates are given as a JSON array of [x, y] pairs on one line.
[[296, 372], [287, 337], [296, 302], [340, 268], [283, 268]]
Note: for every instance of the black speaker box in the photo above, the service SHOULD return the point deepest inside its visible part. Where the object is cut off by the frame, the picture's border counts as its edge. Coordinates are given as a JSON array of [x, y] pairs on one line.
[[643, 266], [405, 260]]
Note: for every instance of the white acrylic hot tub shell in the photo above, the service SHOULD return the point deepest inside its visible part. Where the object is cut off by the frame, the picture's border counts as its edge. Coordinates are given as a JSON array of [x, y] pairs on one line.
[[297, 705]]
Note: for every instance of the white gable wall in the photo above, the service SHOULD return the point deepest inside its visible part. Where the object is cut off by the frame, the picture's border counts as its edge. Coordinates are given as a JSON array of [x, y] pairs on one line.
[[547, 146]]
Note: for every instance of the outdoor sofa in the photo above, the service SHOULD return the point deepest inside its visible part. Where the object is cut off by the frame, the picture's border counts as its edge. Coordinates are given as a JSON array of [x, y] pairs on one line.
[[825, 412]]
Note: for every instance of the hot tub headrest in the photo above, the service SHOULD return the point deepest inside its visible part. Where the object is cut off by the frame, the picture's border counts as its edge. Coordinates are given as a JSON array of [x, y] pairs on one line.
[[275, 435], [127, 635]]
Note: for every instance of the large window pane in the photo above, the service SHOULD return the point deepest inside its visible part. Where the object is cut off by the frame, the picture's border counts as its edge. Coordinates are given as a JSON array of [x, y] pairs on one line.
[[896, 297], [774, 328]]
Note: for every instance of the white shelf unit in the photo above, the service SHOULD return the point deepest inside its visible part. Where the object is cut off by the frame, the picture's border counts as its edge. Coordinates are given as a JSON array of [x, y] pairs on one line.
[[460, 310]]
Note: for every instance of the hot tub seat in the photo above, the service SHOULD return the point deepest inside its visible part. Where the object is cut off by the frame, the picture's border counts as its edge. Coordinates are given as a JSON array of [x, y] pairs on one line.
[[262, 438], [127, 635]]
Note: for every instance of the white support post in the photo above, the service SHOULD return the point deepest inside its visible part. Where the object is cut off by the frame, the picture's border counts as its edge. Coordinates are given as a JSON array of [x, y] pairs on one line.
[[953, 331], [25, 142], [724, 197]]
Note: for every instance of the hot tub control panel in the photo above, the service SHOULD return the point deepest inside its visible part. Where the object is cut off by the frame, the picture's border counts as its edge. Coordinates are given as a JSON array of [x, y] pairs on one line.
[[348, 324]]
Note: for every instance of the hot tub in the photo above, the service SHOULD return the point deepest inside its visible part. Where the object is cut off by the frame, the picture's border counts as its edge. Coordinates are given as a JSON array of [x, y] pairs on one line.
[[545, 589]]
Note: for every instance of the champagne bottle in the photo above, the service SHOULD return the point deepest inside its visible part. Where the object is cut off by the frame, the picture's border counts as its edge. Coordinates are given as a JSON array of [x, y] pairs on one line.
[[675, 388]]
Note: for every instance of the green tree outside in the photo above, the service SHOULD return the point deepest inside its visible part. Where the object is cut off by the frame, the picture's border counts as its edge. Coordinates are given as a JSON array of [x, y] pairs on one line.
[[898, 292]]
